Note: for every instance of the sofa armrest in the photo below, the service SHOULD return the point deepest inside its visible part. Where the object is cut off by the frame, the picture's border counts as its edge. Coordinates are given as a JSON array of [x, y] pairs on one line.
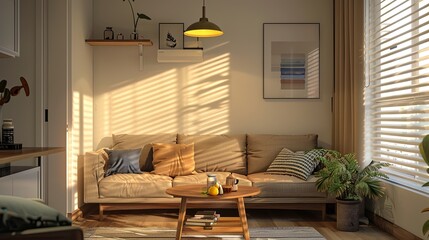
[[94, 163]]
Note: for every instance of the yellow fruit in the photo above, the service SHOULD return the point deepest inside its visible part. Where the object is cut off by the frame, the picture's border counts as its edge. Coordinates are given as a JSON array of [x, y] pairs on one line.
[[217, 185], [213, 190]]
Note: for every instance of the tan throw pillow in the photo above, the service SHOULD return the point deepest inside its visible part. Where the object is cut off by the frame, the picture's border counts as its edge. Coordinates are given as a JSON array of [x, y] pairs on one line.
[[173, 159]]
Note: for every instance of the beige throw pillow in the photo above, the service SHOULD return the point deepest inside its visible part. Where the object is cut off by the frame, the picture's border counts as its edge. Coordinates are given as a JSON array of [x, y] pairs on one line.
[[173, 159]]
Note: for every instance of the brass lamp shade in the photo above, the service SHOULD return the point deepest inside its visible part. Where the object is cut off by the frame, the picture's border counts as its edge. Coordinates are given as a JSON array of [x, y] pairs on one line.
[[203, 28]]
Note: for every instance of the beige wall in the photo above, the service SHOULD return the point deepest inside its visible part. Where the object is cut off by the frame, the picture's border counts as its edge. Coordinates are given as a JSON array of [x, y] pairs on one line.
[[21, 108], [223, 94], [402, 207], [80, 100]]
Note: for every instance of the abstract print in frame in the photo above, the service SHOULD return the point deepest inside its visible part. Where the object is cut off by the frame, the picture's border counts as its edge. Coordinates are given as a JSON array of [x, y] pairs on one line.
[[291, 60], [171, 35]]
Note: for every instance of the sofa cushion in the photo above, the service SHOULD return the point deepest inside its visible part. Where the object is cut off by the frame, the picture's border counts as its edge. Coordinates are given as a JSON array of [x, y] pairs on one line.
[[127, 141], [263, 148], [123, 161], [145, 185], [173, 159], [285, 186], [299, 164], [201, 178], [218, 153]]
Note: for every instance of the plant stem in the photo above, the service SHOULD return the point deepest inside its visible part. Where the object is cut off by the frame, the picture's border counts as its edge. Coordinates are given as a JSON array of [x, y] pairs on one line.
[[134, 16]]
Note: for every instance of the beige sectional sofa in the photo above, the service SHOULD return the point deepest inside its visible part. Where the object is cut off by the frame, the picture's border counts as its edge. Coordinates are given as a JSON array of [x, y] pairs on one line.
[[247, 156]]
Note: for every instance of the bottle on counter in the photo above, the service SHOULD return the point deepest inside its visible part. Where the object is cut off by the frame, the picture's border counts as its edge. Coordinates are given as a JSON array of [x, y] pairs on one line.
[[7, 132]]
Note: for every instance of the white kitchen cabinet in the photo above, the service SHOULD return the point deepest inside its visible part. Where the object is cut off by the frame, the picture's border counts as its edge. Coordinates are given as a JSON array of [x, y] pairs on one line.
[[6, 187], [21, 182], [9, 28]]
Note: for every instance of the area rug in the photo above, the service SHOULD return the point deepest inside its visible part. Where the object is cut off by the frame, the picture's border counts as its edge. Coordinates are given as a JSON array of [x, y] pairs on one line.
[[287, 233]]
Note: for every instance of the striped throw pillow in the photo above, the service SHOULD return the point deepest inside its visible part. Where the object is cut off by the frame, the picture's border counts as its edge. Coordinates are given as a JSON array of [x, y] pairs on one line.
[[298, 164]]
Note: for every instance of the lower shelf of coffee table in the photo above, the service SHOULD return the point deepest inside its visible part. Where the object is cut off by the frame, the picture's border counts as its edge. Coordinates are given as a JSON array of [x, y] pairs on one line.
[[225, 225]]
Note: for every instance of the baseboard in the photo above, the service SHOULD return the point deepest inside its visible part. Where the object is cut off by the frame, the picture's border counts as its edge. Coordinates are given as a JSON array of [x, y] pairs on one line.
[[75, 214], [390, 228], [82, 211]]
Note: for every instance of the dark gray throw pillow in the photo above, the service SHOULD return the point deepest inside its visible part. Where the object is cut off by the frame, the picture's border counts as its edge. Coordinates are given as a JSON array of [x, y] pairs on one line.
[[123, 161], [18, 214]]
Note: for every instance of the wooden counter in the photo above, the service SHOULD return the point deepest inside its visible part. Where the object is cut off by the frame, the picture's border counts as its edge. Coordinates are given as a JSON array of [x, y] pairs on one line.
[[8, 156]]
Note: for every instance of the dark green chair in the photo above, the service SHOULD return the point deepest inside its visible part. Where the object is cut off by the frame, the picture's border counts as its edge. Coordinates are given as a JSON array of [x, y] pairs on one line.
[[22, 218]]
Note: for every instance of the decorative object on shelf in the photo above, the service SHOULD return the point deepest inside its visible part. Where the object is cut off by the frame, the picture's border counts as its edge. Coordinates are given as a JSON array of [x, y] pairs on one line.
[[291, 60], [134, 35], [109, 34], [120, 36], [424, 151], [343, 178], [203, 28], [171, 35]]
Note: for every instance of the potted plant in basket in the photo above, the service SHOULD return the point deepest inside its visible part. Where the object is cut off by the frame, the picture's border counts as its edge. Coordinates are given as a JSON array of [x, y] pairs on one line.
[[343, 178], [424, 151]]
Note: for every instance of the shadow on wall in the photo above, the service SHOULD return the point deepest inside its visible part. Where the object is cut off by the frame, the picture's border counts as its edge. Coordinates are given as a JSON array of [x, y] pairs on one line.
[[192, 99]]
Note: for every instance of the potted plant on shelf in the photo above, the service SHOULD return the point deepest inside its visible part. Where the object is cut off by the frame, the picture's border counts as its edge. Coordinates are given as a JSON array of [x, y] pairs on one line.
[[134, 35], [424, 151], [343, 178]]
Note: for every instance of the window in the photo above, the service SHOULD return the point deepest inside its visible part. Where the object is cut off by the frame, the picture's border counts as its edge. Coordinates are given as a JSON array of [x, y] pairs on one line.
[[397, 92]]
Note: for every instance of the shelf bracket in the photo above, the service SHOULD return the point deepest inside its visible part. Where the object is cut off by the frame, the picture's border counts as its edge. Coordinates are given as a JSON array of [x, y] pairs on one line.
[[141, 56]]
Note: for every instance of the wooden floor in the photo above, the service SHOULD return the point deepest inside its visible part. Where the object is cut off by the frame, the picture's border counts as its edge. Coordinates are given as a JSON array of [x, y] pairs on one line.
[[256, 218]]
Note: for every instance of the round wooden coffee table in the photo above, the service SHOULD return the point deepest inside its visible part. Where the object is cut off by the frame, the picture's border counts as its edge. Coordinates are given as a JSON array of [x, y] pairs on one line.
[[225, 224]]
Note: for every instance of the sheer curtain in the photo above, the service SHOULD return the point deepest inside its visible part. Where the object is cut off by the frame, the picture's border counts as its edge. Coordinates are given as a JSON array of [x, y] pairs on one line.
[[349, 76]]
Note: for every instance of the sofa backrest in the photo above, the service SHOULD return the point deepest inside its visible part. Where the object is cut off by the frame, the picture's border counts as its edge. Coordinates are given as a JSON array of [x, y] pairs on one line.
[[226, 153], [263, 148], [220, 152], [144, 141]]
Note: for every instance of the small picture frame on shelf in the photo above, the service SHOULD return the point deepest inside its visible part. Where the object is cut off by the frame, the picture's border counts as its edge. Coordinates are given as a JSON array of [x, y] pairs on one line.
[[171, 35]]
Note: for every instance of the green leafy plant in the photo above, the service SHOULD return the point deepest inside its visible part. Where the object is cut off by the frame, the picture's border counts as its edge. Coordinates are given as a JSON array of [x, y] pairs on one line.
[[343, 177], [139, 16], [6, 94], [424, 151]]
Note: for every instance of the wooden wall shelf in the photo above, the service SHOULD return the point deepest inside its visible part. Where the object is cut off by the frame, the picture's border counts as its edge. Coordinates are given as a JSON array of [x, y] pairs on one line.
[[101, 42]]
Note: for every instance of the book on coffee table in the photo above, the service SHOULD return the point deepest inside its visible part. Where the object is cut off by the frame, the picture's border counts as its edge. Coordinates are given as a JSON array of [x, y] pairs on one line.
[[203, 224], [205, 213], [202, 219]]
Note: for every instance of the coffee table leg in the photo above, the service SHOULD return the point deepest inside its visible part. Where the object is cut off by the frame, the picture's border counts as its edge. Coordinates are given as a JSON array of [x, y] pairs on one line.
[[181, 220], [243, 218]]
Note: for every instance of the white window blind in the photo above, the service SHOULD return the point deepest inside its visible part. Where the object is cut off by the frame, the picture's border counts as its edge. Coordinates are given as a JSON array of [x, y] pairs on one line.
[[397, 92]]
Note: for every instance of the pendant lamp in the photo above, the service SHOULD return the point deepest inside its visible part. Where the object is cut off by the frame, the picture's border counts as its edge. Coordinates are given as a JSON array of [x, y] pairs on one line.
[[203, 28]]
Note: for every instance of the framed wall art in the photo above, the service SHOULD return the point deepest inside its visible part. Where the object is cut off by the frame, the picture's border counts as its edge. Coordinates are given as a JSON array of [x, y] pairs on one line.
[[171, 35], [291, 60]]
